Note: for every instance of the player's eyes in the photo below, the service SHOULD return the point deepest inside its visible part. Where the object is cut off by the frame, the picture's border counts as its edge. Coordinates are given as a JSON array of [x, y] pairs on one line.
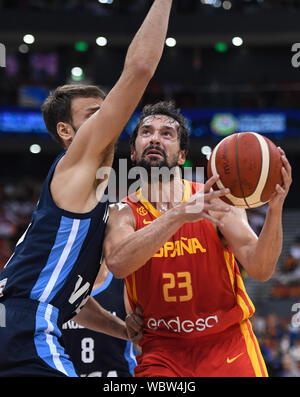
[[167, 134]]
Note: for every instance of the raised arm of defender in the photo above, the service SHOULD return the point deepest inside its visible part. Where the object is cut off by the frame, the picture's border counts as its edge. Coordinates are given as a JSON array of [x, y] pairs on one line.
[[92, 146], [141, 61]]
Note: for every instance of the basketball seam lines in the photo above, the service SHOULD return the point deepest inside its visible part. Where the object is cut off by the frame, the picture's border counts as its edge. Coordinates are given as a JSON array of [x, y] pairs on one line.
[[238, 169], [260, 140], [261, 167]]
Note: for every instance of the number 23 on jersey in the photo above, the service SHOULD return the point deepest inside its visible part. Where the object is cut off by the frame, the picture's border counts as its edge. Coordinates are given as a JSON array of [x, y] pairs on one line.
[[182, 282]]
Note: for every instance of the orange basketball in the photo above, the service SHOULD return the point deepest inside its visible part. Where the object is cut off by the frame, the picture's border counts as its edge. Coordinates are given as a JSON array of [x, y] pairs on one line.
[[249, 164]]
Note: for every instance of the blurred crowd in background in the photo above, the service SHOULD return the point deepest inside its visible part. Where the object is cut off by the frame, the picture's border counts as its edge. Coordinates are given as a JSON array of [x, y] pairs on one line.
[[17, 202], [279, 340], [217, 75]]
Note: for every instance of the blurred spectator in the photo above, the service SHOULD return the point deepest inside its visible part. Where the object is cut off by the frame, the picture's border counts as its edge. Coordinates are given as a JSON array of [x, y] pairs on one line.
[[153, 93], [275, 328], [289, 367], [295, 248], [287, 278], [271, 354], [256, 217], [279, 344], [7, 228], [18, 205], [17, 202], [6, 252], [295, 349]]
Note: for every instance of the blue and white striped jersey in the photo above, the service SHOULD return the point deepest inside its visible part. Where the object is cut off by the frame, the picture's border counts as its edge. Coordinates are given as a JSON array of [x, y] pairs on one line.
[[94, 353], [57, 259]]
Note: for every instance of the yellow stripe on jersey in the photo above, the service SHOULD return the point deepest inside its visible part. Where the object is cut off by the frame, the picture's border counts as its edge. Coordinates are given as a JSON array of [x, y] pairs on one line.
[[244, 302], [147, 204], [252, 346], [128, 288], [134, 294], [187, 190], [253, 350], [131, 292], [227, 261], [241, 301]]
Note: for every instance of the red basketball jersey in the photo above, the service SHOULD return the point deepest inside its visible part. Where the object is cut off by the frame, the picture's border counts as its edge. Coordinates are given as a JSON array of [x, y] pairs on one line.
[[192, 286]]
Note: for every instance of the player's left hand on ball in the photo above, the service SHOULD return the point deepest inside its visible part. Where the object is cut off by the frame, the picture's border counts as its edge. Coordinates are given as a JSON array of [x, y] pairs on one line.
[[134, 323], [278, 197]]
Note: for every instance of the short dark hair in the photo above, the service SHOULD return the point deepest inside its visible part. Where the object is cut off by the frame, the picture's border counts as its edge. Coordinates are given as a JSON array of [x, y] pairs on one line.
[[57, 107], [169, 109]]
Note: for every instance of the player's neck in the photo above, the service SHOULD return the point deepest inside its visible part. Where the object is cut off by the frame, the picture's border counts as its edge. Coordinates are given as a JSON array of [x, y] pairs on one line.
[[102, 275], [164, 195]]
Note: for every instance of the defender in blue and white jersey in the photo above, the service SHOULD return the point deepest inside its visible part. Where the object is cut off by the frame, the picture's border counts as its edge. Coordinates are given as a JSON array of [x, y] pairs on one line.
[[95, 354], [52, 271]]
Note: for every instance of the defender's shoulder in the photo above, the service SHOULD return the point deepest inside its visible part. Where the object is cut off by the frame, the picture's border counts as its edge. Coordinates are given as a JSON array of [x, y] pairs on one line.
[[119, 211]]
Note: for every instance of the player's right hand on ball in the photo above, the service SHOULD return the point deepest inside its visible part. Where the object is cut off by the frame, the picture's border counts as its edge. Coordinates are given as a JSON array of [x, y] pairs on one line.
[[198, 206]]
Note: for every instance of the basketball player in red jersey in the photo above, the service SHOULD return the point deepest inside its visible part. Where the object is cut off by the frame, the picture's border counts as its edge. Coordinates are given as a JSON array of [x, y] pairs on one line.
[[179, 271]]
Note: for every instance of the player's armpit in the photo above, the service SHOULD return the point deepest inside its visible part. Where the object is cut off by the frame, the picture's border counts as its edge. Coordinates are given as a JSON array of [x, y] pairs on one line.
[[80, 188]]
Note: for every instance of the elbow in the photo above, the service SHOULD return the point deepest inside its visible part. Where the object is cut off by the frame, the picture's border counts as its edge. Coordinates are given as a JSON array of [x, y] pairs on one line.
[[144, 70], [141, 70], [264, 273], [269, 270], [115, 268], [264, 277]]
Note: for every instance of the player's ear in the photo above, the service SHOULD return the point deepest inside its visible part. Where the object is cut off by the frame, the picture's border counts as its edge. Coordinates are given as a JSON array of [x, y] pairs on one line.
[[65, 132], [182, 157], [132, 154]]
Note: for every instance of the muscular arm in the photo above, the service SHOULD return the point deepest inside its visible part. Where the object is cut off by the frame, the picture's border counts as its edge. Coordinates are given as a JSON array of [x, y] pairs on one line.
[[258, 255], [96, 318], [141, 61]]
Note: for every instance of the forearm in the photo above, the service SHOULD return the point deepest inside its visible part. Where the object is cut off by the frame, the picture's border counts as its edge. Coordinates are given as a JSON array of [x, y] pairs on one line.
[[268, 247], [134, 251], [147, 46], [269, 244], [96, 318]]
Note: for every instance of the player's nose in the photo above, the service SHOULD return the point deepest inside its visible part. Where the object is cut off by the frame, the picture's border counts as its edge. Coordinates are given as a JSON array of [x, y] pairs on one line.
[[155, 138]]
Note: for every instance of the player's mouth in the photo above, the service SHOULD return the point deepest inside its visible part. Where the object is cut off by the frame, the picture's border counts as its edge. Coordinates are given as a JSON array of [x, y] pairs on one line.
[[154, 153]]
